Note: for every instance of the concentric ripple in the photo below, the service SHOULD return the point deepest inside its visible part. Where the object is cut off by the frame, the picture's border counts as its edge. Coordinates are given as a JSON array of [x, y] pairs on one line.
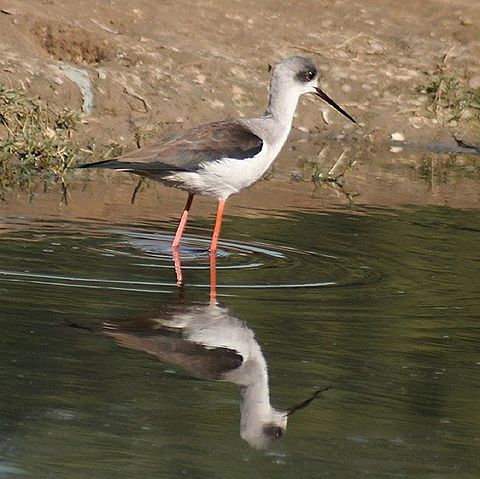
[[140, 259]]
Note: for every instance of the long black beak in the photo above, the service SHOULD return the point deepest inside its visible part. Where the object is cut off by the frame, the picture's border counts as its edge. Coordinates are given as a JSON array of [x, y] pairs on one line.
[[305, 403], [325, 97]]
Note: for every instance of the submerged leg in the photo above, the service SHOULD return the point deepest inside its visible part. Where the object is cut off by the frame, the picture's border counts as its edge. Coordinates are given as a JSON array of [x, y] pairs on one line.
[[183, 222], [218, 225], [178, 266], [213, 278]]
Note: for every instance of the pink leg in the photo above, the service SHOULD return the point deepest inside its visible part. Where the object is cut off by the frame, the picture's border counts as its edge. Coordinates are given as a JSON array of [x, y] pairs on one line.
[[183, 222], [218, 225]]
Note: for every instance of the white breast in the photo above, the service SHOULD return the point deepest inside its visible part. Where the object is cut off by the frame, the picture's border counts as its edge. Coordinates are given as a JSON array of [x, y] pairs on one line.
[[225, 176]]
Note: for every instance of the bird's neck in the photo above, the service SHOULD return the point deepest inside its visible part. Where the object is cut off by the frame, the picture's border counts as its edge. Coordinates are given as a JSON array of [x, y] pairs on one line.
[[282, 104], [255, 395]]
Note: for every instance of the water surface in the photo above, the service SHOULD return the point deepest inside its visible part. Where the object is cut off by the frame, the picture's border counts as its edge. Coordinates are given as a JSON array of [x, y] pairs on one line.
[[380, 304]]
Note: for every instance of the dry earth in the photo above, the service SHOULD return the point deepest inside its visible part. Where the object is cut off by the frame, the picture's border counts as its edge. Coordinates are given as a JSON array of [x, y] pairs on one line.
[[157, 66]]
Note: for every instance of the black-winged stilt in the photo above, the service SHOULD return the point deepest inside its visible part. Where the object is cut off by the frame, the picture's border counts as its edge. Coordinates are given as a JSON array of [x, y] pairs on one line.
[[221, 158]]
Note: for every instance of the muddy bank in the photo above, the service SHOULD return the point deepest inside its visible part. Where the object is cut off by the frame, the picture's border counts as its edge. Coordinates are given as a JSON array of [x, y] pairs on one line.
[[152, 70], [135, 71], [378, 178]]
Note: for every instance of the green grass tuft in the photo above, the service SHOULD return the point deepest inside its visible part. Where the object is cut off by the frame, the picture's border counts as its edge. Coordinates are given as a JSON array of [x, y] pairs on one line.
[[35, 141], [451, 98]]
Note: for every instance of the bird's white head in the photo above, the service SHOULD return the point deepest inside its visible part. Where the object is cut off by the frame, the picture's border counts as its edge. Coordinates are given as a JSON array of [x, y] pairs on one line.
[[292, 78], [295, 74], [264, 428]]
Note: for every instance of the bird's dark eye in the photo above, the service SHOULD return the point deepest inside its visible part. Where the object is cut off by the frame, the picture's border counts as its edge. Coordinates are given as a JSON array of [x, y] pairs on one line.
[[307, 74], [273, 432]]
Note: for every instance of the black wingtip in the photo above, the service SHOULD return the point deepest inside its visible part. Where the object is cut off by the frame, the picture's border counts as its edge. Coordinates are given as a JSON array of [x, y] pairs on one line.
[[96, 164]]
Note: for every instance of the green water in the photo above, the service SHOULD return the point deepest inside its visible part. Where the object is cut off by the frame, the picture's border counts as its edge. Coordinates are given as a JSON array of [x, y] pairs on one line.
[[381, 305]]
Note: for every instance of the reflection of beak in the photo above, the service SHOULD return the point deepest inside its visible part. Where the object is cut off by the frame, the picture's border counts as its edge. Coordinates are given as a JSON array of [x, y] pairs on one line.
[[325, 97], [305, 403]]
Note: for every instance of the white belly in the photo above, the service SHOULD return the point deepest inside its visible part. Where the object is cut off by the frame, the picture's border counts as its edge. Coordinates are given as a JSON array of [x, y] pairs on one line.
[[225, 176]]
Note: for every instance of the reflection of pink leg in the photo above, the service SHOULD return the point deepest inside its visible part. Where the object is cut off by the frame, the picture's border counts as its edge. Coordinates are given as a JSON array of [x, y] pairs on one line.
[[218, 225], [178, 266], [183, 222], [213, 277]]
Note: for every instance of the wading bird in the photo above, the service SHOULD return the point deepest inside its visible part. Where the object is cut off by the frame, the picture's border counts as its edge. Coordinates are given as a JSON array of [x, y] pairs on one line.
[[221, 158]]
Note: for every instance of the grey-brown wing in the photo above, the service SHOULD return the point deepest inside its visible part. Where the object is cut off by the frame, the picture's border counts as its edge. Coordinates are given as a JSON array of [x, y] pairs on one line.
[[156, 336], [200, 361], [187, 150]]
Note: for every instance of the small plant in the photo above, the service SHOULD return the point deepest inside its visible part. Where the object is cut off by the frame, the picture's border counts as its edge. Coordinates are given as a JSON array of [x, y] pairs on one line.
[[35, 141], [451, 98]]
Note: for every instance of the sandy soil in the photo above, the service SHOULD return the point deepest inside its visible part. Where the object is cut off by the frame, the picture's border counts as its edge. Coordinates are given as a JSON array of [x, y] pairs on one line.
[[157, 64], [156, 67]]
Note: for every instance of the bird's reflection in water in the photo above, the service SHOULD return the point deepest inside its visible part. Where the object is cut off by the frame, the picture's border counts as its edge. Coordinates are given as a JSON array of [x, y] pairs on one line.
[[211, 342]]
